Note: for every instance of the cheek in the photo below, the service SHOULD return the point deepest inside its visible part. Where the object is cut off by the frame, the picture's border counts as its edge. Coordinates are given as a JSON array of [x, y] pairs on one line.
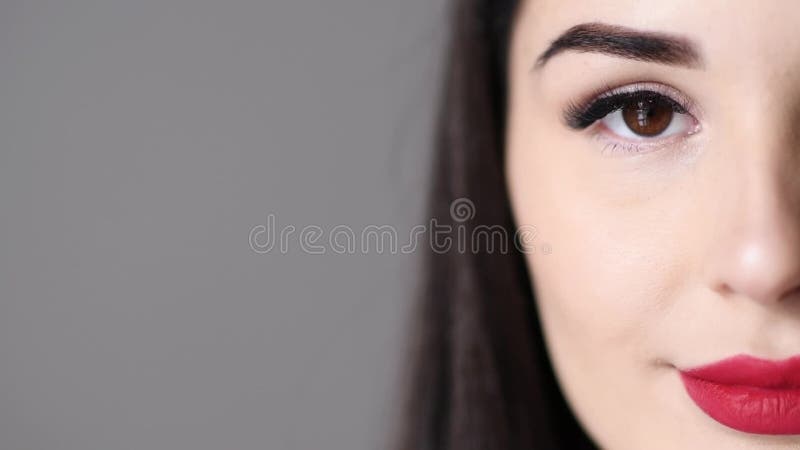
[[609, 267], [603, 280], [619, 235], [603, 289], [606, 288]]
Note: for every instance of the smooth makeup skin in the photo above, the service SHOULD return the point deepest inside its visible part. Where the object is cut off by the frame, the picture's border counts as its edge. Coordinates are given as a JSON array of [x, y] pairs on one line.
[[668, 187]]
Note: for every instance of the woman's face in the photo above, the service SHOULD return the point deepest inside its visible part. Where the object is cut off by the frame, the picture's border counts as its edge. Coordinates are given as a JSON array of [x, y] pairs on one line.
[[655, 149]]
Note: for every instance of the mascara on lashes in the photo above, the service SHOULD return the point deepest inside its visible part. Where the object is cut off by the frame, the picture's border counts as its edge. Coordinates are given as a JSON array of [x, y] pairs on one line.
[[580, 117]]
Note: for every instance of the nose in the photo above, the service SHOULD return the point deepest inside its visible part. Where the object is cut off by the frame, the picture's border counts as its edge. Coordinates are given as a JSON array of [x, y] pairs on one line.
[[758, 237]]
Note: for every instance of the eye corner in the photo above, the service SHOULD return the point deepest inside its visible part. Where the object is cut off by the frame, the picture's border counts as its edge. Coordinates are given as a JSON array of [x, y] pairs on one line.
[[574, 116]]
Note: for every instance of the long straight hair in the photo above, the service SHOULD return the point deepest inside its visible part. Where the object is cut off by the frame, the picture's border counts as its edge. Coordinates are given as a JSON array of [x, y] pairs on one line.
[[480, 373]]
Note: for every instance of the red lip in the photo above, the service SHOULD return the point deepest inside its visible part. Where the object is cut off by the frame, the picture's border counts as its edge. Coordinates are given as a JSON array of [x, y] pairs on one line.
[[749, 394]]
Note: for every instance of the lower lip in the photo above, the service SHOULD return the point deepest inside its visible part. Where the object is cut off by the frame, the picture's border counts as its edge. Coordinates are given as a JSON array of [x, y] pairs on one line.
[[748, 394]]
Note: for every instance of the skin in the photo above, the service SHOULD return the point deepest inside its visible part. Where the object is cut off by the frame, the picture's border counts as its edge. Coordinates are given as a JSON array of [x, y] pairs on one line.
[[676, 256]]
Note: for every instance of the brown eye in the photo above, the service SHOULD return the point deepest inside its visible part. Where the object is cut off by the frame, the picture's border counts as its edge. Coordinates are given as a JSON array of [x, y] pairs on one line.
[[647, 117]]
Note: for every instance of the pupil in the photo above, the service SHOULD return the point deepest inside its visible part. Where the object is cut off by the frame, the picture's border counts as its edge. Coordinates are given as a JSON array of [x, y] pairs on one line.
[[647, 117]]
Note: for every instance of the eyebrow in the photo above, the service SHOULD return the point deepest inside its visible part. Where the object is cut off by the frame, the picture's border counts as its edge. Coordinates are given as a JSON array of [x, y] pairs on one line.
[[625, 42]]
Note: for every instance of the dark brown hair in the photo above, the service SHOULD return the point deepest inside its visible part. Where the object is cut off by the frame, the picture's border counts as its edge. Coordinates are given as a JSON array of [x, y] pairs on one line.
[[480, 378]]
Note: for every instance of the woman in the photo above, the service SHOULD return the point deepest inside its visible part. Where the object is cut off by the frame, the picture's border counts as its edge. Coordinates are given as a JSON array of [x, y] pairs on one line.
[[653, 147]]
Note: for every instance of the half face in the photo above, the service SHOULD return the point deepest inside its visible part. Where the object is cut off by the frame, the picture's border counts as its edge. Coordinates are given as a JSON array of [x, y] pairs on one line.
[[654, 146]]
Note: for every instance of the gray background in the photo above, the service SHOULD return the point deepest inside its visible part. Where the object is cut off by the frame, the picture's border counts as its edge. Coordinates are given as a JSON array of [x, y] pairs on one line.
[[141, 141]]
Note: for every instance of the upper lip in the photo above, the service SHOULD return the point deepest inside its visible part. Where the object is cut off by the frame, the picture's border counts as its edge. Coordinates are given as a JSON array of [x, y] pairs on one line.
[[745, 370]]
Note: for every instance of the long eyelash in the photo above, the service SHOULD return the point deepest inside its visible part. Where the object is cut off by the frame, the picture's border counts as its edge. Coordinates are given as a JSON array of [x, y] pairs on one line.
[[581, 116]]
